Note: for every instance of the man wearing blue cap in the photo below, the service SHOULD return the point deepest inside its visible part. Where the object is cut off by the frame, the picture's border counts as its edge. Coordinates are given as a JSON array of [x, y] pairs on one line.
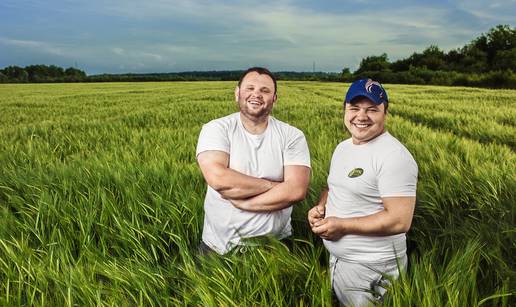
[[367, 208]]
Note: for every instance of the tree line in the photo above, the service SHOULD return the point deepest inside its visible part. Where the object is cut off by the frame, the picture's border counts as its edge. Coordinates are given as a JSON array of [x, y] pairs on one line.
[[489, 61], [41, 73]]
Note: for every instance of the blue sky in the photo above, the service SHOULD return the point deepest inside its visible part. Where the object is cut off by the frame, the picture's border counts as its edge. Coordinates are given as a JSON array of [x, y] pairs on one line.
[[119, 36]]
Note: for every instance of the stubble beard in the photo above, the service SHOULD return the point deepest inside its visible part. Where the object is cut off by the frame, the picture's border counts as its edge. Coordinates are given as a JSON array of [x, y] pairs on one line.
[[254, 116]]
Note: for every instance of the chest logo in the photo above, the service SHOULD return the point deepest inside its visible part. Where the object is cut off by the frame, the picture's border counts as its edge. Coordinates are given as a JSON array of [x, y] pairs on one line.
[[356, 172]]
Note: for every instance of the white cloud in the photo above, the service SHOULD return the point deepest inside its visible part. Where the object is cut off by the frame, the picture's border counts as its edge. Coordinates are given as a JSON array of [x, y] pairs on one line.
[[132, 55], [162, 35], [33, 45], [118, 51], [498, 11], [153, 56]]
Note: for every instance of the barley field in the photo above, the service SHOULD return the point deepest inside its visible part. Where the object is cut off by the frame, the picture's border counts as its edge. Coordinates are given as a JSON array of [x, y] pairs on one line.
[[101, 197]]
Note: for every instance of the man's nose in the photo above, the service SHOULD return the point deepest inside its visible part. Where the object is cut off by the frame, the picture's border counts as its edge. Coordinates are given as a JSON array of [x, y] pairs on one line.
[[257, 93], [362, 113]]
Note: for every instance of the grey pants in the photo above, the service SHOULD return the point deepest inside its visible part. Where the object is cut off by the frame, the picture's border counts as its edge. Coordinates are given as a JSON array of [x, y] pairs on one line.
[[203, 249], [363, 284]]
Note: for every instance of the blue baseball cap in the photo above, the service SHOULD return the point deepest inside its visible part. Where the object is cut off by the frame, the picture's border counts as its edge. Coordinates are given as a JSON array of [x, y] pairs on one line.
[[367, 88]]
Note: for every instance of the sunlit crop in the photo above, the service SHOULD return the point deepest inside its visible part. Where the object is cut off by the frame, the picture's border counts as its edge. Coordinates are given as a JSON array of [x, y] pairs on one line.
[[101, 197]]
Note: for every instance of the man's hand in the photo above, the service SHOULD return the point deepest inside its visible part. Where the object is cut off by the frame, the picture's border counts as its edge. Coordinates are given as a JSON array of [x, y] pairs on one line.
[[330, 228], [394, 219], [316, 214]]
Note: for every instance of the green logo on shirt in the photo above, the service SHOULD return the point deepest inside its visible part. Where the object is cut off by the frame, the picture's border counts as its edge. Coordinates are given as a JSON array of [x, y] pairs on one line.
[[355, 172]]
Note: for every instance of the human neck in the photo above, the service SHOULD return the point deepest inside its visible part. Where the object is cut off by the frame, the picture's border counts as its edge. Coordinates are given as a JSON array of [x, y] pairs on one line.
[[254, 125], [362, 142]]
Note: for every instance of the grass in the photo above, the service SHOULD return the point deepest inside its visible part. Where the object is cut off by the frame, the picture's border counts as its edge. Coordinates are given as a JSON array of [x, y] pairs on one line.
[[101, 198]]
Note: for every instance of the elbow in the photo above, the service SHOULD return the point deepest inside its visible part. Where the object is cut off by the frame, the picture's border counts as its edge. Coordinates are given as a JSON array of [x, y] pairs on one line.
[[402, 227], [216, 181], [406, 226], [298, 194], [406, 223], [393, 227]]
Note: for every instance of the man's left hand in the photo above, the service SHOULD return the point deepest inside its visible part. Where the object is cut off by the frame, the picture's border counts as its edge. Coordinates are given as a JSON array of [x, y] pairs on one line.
[[329, 228]]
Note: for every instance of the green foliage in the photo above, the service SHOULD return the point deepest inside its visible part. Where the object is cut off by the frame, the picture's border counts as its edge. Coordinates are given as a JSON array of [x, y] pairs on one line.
[[101, 199], [16, 74], [41, 73], [488, 61], [447, 280], [374, 63], [347, 76]]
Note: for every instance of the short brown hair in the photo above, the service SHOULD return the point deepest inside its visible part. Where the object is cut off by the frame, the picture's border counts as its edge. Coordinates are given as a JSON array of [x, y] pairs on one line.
[[260, 71]]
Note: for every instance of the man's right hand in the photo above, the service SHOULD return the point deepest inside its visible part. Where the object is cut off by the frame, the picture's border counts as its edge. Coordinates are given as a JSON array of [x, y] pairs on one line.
[[316, 214]]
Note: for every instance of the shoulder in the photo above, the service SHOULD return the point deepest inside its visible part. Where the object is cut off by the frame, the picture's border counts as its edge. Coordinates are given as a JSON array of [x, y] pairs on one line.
[[284, 128], [344, 145], [222, 125], [215, 135], [386, 143], [223, 122], [219, 128], [343, 149], [389, 148]]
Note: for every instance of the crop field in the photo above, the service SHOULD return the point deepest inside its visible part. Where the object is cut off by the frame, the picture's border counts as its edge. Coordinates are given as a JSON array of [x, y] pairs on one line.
[[101, 199]]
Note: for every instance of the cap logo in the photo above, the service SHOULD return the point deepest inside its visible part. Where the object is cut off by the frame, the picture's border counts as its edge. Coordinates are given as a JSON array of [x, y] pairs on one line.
[[356, 172], [369, 84], [369, 87]]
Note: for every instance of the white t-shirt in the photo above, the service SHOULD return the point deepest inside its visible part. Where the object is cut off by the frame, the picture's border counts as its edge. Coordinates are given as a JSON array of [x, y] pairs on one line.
[[360, 175], [262, 156]]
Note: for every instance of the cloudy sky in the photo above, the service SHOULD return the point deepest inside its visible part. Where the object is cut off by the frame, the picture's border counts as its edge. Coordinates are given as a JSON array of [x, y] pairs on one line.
[[141, 36]]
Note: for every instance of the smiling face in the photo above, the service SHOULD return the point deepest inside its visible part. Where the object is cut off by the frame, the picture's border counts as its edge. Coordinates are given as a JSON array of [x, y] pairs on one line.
[[255, 96], [364, 120]]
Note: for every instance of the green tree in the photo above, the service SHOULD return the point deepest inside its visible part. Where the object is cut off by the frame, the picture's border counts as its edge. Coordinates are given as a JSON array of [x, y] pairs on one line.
[[346, 74], [3, 78], [501, 47], [433, 58], [374, 63], [16, 74], [74, 74], [37, 73]]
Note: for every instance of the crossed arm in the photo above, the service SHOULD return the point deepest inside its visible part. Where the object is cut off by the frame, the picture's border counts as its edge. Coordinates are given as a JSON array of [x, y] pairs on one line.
[[251, 193], [395, 218]]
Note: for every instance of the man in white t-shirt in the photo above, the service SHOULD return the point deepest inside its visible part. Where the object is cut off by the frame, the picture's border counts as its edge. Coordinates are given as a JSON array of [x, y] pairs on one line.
[[368, 207], [255, 167]]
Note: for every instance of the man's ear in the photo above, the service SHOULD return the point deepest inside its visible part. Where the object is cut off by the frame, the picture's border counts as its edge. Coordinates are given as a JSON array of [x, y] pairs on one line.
[[237, 93], [274, 98]]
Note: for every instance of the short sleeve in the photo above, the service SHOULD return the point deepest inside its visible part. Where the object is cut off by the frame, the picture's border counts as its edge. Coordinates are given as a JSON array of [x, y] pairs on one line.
[[296, 152], [398, 175], [213, 136]]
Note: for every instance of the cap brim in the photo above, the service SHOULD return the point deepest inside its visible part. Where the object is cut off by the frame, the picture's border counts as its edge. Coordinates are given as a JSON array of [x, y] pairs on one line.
[[366, 95]]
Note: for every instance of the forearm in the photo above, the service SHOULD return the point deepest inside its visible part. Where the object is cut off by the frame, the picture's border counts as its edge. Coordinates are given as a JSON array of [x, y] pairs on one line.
[[230, 183], [379, 224], [323, 198], [293, 188], [395, 218], [277, 198], [235, 185]]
